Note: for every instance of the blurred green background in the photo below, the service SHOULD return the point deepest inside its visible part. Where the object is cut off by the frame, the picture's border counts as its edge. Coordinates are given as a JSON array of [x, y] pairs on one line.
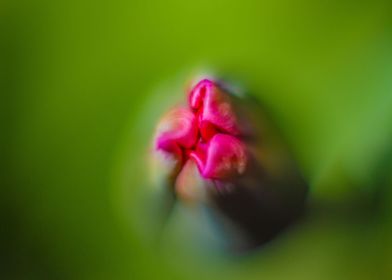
[[80, 92]]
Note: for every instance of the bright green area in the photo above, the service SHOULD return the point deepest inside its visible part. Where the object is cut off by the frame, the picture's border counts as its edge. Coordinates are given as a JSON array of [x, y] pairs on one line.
[[79, 83]]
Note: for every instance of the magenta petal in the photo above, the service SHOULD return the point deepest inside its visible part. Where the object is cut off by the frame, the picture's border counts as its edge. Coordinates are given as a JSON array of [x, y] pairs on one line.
[[198, 93], [207, 130], [176, 130], [215, 109], [224, 156]]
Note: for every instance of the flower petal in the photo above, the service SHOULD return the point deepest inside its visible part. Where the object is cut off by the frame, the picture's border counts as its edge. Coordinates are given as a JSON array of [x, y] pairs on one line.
[[223, 157], [215, 109], [190, 186], [176, 130]]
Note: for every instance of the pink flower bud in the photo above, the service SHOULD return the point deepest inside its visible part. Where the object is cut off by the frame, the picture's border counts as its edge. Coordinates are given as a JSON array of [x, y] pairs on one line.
[[206, 133], [220, 149]]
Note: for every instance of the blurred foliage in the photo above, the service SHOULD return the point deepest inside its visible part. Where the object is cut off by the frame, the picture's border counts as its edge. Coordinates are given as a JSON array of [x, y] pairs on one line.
[[80, 84]]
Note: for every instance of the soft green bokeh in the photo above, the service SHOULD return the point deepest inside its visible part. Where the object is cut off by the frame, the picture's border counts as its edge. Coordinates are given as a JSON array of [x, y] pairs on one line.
[[81, 87]]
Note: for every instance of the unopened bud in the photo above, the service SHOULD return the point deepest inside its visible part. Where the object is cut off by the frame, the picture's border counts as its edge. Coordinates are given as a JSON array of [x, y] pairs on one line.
[[220, 149]]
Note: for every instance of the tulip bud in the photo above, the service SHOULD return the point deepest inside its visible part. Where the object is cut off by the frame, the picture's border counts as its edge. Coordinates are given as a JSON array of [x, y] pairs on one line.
[[222, 151]]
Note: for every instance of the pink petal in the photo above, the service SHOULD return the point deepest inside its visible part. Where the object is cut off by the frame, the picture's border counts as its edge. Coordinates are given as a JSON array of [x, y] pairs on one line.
[[215, 109], [224, 156], [177, 130]]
